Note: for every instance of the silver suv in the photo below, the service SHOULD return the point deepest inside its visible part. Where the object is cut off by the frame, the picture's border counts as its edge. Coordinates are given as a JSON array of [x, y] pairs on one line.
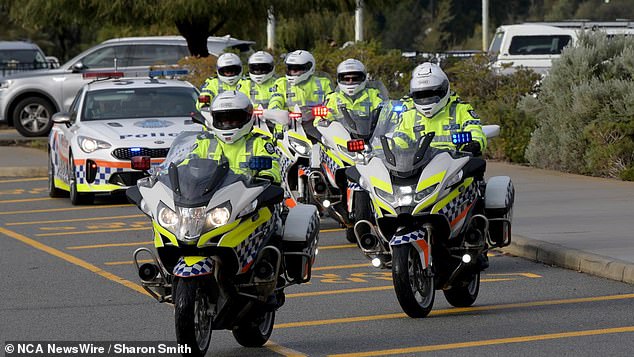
[[20, 56], [28, 100]]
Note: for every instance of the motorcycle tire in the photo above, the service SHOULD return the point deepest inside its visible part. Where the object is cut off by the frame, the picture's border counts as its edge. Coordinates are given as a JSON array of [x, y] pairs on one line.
[[53, 191], [463, 296], [414, 286], [76, 197], [192, 321], [361, 206], [255, 333]]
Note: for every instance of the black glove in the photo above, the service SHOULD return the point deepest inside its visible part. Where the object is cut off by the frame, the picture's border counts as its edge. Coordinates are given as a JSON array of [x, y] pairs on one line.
[[472, 147]]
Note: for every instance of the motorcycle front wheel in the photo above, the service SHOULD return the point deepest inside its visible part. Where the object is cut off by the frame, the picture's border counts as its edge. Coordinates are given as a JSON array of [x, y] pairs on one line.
[[255, 333], [414, 286], [193, 319]]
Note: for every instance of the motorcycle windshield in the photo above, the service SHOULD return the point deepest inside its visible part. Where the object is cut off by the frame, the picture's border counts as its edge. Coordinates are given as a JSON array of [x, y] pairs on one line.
[[196, 181], [401, 154], [359, 124]]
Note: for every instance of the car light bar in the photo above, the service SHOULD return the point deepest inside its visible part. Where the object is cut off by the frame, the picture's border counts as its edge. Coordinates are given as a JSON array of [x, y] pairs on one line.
[[88, 75], [356, 145], [320, 111], [168, 72]]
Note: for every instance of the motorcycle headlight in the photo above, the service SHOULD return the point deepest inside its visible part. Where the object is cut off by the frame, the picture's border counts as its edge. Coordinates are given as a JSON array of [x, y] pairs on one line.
[[192, 221], [455, 179], [301, 147], [89, 145], [218, 216], [386, 196], [167, 218], [424, 193]]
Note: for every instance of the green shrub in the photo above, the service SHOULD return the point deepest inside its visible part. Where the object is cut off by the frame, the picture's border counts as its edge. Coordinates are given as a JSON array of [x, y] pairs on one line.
[[585, 109], [495, 99], [200, 68]]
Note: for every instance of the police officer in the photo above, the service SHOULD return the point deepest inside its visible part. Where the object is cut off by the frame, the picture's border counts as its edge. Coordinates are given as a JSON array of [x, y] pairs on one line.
[[300, 86], [431, 107], [352, 92], [229, 77], [261, 84], [231, 136]]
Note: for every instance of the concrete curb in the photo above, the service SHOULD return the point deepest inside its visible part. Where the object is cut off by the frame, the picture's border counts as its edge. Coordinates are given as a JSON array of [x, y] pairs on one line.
[[569, 258], [25, 171]]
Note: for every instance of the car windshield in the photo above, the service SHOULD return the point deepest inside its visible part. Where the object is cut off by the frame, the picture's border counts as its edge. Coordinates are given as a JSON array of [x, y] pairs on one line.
[[22, 56], [107, 104]]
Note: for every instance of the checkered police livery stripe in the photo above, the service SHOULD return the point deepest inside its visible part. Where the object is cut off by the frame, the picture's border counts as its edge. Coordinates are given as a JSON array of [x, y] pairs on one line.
[[354, 186], [408, 238], [313, 231], [510, 194], [457, 205], [470, 122], [201, 268], [249, 248], [332, 166], [284, 161], [102, 176]]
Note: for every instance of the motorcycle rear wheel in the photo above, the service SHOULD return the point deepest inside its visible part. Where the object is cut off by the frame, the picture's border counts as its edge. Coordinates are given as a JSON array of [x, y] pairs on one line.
[[463, 296], [192, 318], [414, 286], [255, 333]]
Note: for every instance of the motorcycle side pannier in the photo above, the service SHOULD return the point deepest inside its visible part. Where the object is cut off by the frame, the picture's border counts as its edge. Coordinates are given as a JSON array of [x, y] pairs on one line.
[[300, 241], [498, 205]]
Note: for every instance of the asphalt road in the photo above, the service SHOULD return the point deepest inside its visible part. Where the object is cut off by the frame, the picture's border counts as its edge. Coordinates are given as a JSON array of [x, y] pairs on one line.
[[66, 274]]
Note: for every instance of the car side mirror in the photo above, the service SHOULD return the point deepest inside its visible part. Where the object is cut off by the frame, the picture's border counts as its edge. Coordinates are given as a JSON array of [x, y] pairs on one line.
[[198, 118], [78, 67], [61, 118]]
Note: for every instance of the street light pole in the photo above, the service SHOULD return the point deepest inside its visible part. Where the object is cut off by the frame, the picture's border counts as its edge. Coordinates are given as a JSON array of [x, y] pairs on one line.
[[270, 29], [485, 25], [358, 21]]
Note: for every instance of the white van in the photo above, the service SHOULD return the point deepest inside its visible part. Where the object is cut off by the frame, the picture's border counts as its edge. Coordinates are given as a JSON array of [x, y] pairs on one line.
[[535, 45]]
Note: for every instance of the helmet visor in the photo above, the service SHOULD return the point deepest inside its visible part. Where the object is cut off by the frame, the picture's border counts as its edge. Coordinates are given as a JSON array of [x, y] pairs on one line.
[[298, 69], [351, 77], [430, 95], [230, 119], [260, 68], [229, 71]]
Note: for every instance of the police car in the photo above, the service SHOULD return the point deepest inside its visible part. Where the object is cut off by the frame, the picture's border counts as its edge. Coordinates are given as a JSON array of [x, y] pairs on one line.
[[109, 122]]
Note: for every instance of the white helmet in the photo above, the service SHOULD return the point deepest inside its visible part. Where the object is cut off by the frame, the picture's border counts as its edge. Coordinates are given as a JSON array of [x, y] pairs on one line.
[[261, 67], [300, 65], [351, 76], [429, 88], [229, 68], [232, 114]]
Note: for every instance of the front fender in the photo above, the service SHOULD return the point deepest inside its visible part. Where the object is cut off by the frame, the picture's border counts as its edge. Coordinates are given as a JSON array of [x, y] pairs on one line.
[[419, 240], [191, 266]]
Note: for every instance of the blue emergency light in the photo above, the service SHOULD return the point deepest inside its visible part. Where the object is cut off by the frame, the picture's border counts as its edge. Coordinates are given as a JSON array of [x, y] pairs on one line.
[[135, 150], [461, 137], [397, 108], [168, 72], [259, 163]]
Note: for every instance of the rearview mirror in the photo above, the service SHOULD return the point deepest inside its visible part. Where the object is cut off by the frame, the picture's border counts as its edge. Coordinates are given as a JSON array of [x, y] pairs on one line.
[[197, 117], [491, 131], [61, 118], [78, 67]]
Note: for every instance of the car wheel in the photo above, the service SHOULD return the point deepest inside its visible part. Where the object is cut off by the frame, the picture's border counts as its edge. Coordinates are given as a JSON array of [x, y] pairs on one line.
[[33, 116], [76, 197], [52, 190]]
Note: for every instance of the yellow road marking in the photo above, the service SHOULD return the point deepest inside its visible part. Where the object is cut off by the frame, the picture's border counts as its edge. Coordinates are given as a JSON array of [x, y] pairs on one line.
[[129, 262], [328, 230], [73, 260], [526, 275], [93, 231], [75, 220], [62, 209], [58, 228], [26, 200], [25, 180], [284, 351], [349, 266], [373, 288], [108, 245], [497, 341], [458, 310], [340, 246]]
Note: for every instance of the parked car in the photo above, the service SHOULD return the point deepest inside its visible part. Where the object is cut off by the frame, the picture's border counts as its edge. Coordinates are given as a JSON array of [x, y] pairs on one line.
[[20, 56], [535, 45], [28, 100], [109, 122]]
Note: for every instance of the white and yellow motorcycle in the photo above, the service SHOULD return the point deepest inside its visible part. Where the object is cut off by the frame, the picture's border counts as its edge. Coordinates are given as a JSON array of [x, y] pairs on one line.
[[434, 218]]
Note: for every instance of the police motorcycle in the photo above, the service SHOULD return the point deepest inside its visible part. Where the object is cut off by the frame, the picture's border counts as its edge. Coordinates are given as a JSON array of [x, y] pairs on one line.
[[223, 256], [342, 144], [433, 219]]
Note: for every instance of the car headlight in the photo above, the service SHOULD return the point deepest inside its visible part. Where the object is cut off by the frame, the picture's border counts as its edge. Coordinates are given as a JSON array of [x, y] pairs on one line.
[[6, 84], [301, 147], [89, 145]]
